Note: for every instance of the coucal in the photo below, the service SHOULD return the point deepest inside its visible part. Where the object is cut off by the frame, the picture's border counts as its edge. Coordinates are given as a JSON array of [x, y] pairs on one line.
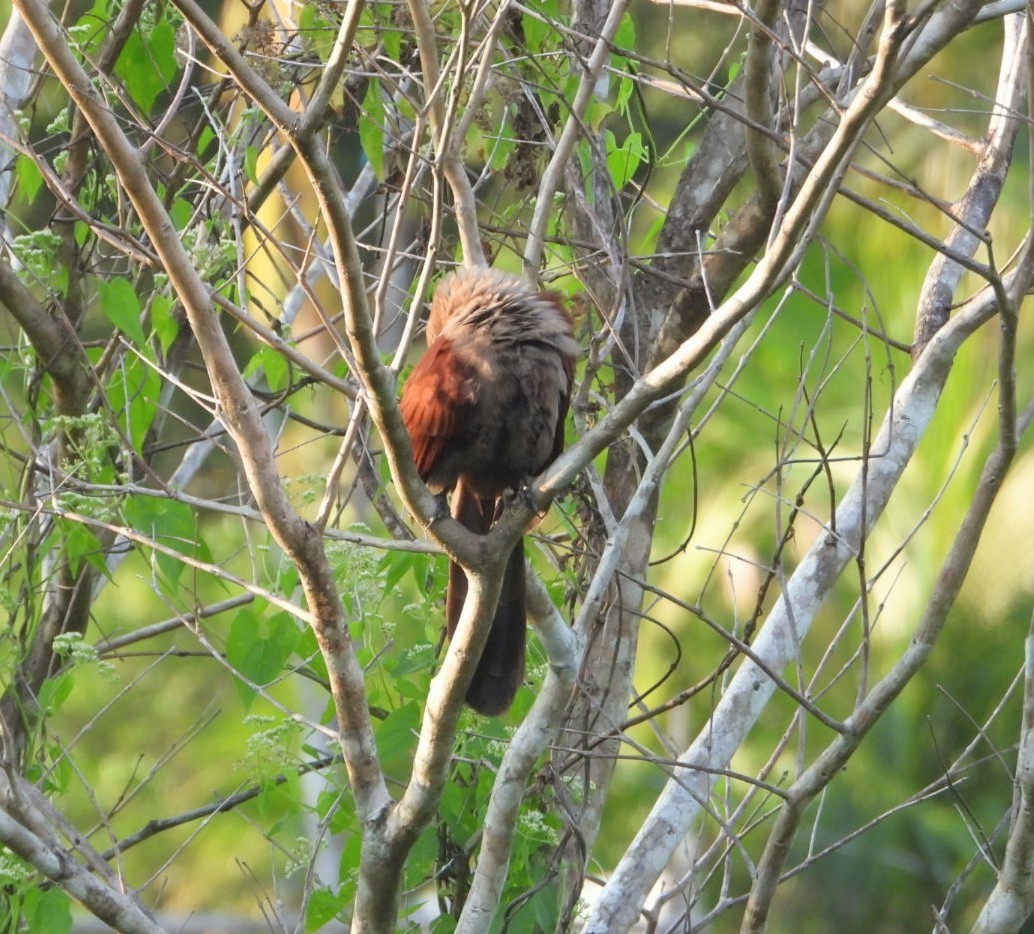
[[485, 409]]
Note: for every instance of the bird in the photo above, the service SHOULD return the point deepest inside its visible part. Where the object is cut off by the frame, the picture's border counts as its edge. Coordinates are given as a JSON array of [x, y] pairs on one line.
[[485, 409]]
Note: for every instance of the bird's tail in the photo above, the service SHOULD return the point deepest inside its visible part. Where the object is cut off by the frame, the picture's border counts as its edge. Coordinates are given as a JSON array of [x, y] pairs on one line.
[[501, 667]]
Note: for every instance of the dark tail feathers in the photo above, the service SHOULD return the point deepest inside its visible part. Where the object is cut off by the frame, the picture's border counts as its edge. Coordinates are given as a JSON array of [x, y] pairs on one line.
[[501, 667]]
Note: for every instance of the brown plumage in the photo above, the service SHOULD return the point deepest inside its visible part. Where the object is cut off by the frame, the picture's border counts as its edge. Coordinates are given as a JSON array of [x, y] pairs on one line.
[[485, 408]]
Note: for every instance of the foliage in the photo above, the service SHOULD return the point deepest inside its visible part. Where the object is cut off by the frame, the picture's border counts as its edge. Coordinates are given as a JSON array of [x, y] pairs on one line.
[[799, 269]]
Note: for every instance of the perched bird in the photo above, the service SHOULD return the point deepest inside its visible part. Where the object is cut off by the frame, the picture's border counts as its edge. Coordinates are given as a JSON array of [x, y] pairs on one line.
[[485, 409]]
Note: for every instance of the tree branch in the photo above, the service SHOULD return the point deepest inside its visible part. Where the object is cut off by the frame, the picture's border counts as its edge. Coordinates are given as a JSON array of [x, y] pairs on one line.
[[1011, 901], [447, 143], [538, 729], [749, 691], [758, 99], [58, 865], [975, 207], [300, 540], [544, 203]]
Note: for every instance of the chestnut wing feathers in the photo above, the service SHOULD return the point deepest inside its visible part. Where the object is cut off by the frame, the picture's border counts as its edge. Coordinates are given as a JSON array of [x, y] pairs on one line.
[[439, 395]]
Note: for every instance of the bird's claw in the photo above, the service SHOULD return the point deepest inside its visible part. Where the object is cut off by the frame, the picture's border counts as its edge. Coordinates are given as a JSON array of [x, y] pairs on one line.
[[526, 494], [441, 509]]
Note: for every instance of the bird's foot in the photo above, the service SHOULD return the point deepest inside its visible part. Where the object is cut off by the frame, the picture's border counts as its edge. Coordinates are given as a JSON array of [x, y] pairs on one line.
[[441, 508], [525, 492]]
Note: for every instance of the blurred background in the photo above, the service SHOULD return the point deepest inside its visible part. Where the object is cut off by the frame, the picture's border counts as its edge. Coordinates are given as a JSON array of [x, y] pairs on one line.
[[161, 729]]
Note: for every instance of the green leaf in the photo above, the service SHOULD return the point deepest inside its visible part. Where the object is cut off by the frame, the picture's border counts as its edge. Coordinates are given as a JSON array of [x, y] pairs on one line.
[[122, 306], [279, 802], [180, 213], [251, 154], [421, 863], [397, 732], [147, 63], [323, 906], [351, 856], [536, 32], [80, 544], [309, 649], [259, 646], [166, 327], [57, 777], [92, 27], [48, 911], [167, 522], [133, 394], [626, 88], [317, 30], [55, 691], [371, 128], [624, 38], [331, 802], [286, 578], [272, 365], [735, 67], [396, 564], [206, 137], [547, 908], [599, 109], [392, 39], [418, 658], [29, 177], [623, 160]]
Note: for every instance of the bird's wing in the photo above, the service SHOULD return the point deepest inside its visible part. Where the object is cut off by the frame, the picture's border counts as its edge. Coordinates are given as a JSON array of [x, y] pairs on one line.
[[437, 399]]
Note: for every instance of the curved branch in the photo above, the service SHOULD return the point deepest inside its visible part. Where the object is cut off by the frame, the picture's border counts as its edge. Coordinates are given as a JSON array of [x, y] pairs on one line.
[[1012, 899], [788, 242], [239, 411], [748, 692], [974, 209], [758, 99], [330, 81], [22, 831], [53, 338], [538, 729], [446, 142], [544, 204], [945, 591]]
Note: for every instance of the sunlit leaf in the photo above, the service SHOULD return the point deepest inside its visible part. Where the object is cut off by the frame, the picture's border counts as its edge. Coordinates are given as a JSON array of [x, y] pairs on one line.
[[623, 160], [133, 392], [147, 63], [272, 365], [205, 138], [251, 154], [30, 179], [624, 38], [324, 905], [259, 646], [120, 303], [55, 691], [80, 544], [168, 523], [371, 128], [165, 325], [181, 212], [48, 911], [396, 733]]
